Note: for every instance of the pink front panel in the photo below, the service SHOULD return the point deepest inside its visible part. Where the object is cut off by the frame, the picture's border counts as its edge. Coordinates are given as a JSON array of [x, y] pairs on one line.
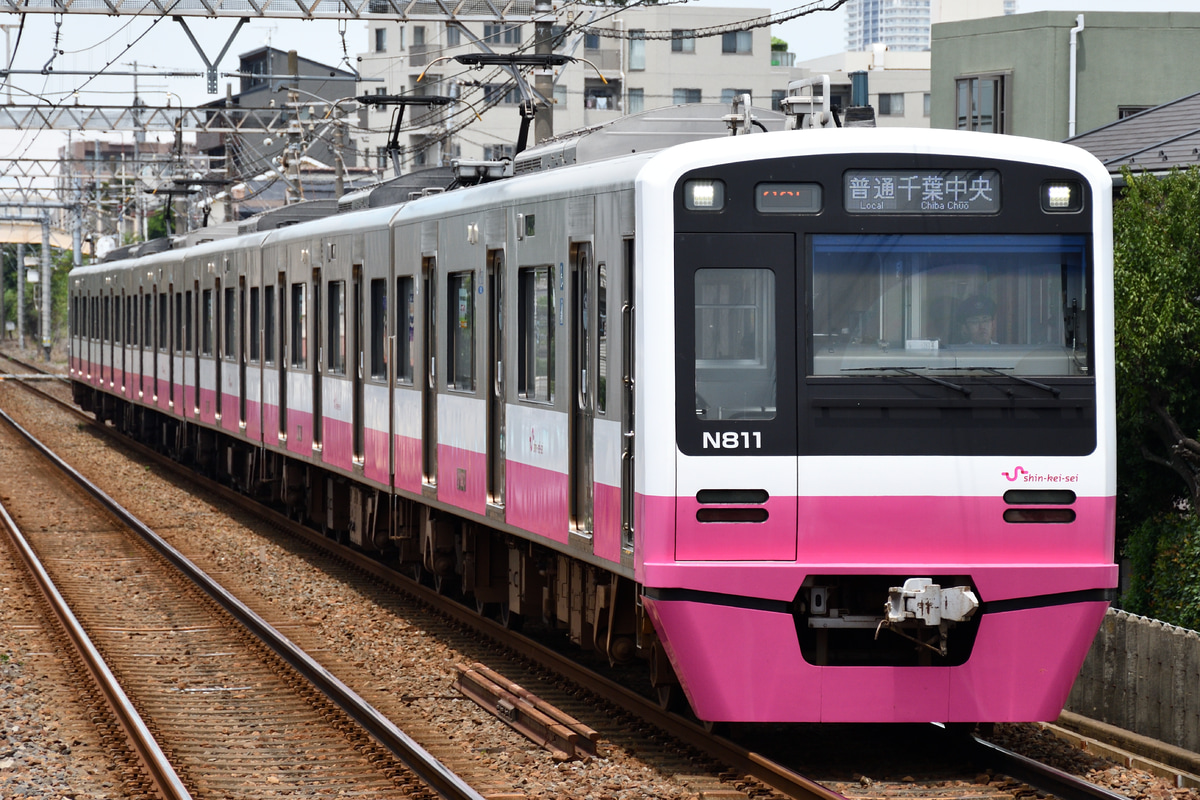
[[536, 500], [745, 664], [606, 523], [948, 530], [773, 539], [337, 443], [462, 478]]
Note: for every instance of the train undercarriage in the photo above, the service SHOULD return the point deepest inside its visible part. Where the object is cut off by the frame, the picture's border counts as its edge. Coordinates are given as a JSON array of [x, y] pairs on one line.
[[507, 577]]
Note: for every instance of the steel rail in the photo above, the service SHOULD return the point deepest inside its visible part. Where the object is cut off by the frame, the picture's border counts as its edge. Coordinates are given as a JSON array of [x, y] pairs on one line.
[[1041, 776], [155, 763], [426, 768]]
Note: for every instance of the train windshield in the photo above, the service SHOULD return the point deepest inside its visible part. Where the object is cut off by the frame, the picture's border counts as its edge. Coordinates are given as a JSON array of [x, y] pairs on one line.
[[1016, 305]]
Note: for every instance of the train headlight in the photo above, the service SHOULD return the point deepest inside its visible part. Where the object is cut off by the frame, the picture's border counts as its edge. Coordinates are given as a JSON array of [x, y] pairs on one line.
[[703, 195], [1062, 196]]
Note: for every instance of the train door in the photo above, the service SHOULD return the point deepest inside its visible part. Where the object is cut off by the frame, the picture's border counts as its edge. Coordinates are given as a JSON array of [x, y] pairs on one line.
[[429, 392], [495, 378], [241, 351], [582, 414], [358, 345], [222, 347], [317, 363], [627, 408], [281, 296]]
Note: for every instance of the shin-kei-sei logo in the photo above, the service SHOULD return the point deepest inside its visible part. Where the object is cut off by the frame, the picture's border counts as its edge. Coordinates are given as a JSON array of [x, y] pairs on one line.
[[1025, 476], [1016, 473]]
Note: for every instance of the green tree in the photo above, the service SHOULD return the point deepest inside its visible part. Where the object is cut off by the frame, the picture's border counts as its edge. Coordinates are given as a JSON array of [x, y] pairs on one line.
[[1156, 234]]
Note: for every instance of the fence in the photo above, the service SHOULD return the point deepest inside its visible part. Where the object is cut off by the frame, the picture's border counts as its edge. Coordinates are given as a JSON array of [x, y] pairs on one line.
[[1142, 675]]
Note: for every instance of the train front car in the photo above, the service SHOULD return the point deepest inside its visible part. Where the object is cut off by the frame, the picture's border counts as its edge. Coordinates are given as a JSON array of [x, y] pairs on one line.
[[885, 489]]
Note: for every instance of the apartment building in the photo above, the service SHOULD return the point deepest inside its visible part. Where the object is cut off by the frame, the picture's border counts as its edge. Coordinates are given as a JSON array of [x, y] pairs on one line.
[[628, 60]]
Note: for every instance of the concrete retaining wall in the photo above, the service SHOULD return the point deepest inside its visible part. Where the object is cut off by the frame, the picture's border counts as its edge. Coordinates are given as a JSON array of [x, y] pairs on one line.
[[1143, 676]]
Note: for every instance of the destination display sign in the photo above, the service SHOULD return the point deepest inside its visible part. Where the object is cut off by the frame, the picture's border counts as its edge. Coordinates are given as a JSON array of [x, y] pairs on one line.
[[949, 191]]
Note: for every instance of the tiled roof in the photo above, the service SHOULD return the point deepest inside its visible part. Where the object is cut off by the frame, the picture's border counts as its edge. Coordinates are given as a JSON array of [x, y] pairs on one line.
[[1154, 140]]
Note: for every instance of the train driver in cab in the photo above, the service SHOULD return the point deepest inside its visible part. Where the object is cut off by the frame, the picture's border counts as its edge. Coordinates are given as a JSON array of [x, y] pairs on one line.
[[978, 315]]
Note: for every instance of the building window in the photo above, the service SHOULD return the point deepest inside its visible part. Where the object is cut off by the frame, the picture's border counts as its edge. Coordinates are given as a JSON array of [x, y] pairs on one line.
[[591, 41], [418, 36], [380, 90], [683, 41], [500, 33], [506, 93], [777, 96], [637, 101], [560, 95], [981, 104], [926, 101], [1129, 111], [736, 42], [381, 40], [381, 158], [453, 36], [891, 105], [728, 95], [682, 96], [637, 49], [497, 152]]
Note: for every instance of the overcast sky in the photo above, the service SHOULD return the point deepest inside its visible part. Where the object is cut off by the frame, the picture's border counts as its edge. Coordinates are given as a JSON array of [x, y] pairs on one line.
[[90, 43]]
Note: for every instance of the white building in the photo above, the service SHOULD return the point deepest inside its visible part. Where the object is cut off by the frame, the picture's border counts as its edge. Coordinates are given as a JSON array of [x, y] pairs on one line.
[[897, 83], [639, 58], [903, 25]]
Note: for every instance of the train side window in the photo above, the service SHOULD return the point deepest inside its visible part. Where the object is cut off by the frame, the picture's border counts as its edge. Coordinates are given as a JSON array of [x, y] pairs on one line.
[[187, 322], [379, 328], [164, 303], [206, 322], [95, 331], [255, 320], [535, 334], [116, 321], [268, 326], [107, 311], [231, 322], [601, 339], [406, 329], [147, 320], [337, 327], [461, 318], [299, 324], [131, 311]]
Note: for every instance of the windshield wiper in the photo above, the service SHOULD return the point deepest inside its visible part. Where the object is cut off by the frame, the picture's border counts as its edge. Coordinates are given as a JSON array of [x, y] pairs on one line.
[[913, 372], [1054, 390]]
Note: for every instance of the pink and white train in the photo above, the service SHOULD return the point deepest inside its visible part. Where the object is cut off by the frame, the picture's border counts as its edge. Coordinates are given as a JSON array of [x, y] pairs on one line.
[[818, 422]]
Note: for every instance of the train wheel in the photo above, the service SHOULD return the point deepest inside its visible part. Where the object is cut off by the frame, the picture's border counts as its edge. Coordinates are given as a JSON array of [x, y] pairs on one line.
[[510, 619], [671, 697]]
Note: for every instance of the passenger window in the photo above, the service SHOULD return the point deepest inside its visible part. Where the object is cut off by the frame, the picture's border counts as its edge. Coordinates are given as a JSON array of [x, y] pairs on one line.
[[299, 324], [187, 322], [206, 323], [255, 318], [231, 324], [535, 334], [602, 340], [460, 291], [107, 311], [268, 328], [147, 320], [337, 327], [378, 338], [406, 321]]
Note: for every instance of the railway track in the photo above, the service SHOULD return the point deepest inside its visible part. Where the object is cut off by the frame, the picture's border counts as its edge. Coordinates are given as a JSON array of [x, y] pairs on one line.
[[705, 764], [232, 715]]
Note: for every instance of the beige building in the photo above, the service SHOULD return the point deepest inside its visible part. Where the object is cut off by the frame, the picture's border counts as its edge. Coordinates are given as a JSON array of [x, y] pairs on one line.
[[636, 59]]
